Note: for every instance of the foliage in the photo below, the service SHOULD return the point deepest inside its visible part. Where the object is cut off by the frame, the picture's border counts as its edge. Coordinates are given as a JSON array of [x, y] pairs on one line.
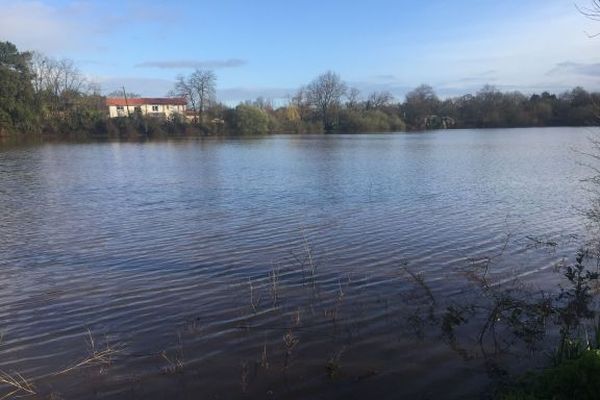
[[249, 120], [571, 379], [39, 94], [17, 111], [513, 318]]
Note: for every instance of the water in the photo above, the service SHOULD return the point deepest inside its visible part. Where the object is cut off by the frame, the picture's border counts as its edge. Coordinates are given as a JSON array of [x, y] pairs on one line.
[[268, 267]]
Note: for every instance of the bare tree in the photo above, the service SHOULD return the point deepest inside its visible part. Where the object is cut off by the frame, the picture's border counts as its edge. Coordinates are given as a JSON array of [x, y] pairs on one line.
[[325, 93], [40, 71], [199, 89], [353, 98], [69, 78], [93, 88], [300, 102], [592, 11], [57, 77], [203, 83], [379, 99], [184, 89], [263, 103]]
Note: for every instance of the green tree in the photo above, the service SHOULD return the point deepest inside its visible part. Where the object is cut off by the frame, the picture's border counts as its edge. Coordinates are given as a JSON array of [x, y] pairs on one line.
[[250, 120], [16, 91]]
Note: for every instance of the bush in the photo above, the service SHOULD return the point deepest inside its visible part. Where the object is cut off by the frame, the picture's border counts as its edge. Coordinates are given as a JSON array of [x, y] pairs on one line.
[[571, 379], [250, 120]]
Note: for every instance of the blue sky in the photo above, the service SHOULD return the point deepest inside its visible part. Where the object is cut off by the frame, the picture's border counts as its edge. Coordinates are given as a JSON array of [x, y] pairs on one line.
[[269, 48]]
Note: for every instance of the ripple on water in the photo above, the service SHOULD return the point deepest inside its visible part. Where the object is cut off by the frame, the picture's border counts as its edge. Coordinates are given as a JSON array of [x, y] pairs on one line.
[[172, 249]]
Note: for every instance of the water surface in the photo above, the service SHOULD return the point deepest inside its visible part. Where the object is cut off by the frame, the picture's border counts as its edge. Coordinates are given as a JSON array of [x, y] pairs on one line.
[[259, 263]]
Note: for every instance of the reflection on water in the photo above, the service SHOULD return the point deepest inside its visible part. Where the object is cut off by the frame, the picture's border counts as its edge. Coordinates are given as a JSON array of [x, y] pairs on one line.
[[267, 267]]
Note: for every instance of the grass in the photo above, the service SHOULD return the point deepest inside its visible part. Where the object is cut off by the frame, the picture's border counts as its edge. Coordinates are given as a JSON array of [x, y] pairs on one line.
[[577, 378], [298, 307], [18, 385], [96, 357]]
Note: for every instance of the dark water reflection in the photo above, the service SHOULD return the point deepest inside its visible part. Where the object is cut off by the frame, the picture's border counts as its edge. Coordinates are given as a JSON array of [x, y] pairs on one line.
[[169, 249]]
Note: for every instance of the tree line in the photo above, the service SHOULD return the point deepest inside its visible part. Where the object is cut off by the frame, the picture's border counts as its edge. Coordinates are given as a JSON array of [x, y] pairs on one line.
[[43, 95]]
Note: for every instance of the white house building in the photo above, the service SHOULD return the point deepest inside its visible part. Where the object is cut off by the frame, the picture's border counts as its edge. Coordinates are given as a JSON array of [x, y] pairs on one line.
[[159, 106]]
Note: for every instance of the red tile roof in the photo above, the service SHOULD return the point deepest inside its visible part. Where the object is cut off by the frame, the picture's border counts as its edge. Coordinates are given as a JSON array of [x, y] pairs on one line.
[[138, 101]]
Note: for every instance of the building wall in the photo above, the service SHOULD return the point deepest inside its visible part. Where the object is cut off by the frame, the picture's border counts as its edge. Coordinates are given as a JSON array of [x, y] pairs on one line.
[[147, 109]]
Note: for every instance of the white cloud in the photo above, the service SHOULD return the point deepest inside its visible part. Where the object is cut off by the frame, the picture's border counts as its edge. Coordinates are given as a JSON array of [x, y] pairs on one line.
[[149, 87], [237, 94], [182, 64], [75, 26], [34, 25]]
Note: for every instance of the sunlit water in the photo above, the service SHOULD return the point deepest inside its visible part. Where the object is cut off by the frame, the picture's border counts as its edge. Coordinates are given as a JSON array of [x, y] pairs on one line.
[[269, 267]]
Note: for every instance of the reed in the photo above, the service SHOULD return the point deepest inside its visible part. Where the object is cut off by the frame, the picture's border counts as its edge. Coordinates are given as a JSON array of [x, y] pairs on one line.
[[18, 385], [96, 357]]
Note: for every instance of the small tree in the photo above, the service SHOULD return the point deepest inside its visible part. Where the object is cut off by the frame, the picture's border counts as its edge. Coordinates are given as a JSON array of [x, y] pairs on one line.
[[420, 103], [199, 89], [250, 120], [203, 83], [325, 93]]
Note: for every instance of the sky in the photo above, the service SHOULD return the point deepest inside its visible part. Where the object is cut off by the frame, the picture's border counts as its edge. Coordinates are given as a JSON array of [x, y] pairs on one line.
[[271, 47]]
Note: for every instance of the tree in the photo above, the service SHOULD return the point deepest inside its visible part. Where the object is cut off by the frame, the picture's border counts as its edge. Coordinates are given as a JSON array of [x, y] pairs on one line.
[[183, 88], [379, 99], [325, 93], [299, 102], [203, 83], [119, 93], [352, 99], [199, 89], [58, 85], [420, 103], [56, 77], [16, 90], [250, 120], [592, 11]]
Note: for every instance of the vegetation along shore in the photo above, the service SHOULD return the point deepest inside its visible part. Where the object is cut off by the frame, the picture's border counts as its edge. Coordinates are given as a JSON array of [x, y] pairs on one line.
[[43, 96]]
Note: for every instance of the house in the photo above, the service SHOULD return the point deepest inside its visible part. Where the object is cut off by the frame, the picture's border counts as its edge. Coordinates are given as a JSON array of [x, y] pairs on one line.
[[162, 107]]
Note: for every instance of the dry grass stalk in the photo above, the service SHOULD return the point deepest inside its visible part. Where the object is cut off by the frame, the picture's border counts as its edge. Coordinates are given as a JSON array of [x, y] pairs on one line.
[[244, 377], [309, 256], [274, 278], [333, 363], [17, 384], [102, 357], [290, 341], [264, 362], [176, 362], [254, 301], [297, 318]]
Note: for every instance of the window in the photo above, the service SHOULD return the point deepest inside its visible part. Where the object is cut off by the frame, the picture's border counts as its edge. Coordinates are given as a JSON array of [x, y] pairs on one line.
[[120, 108], [138, 109], [154, 108]]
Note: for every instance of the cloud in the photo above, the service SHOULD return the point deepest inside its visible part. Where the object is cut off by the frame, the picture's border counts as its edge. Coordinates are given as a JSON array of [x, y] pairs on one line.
[[573, 68], [74, 25], [155, 87], [237, 94], [179, 64], [148, 87], [38, 26]]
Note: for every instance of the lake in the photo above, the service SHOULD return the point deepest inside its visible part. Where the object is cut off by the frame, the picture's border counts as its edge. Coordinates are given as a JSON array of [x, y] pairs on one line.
[[271, 267]]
